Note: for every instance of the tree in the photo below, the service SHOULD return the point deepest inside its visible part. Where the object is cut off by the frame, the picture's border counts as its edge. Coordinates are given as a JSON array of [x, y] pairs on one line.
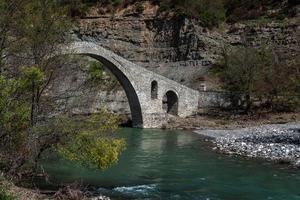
[[13, 121], [42, 27], [240, 72], [210, 13], [90, 147], [13, 109], [32, 78], [88, 141], [261, 73], [277, 77], [8, 13]]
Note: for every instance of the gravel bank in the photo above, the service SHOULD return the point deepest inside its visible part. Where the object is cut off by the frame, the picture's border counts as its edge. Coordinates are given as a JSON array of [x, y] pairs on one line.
[[276, 142]]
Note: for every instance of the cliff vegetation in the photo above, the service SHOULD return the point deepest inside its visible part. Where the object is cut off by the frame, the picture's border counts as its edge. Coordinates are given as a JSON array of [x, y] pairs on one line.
[[209, 13]]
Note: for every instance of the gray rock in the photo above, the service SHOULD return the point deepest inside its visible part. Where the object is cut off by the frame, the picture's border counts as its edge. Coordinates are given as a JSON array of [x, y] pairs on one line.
[[100, 198], [272, 142], [297, 164], [177, 48]]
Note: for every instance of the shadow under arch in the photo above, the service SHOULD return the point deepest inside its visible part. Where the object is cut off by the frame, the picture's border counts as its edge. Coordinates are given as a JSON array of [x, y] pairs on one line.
[[170, 102], [134, 103]]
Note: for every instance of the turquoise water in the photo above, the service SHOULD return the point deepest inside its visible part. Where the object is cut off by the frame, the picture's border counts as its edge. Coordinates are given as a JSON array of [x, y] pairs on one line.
[[161, 164]]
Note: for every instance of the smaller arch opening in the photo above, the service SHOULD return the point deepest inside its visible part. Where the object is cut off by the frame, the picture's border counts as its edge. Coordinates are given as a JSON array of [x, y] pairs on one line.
[[154, 90], [170, 103]]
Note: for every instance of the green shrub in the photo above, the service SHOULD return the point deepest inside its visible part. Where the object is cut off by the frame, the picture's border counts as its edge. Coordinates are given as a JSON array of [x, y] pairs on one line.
[[210, 13], [287, 104], [95, 72], [88, 141], [212, 18], [4, 165], [5, 196], [260, 73], [139, 7], [13, 110], [116, 2]]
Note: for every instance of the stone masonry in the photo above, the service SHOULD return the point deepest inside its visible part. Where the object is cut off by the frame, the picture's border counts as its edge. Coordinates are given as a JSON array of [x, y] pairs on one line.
[[146, 111]]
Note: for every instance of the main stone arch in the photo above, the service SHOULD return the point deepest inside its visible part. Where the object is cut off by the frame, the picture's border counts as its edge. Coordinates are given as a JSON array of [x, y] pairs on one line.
[[125, 79], [137, 82]]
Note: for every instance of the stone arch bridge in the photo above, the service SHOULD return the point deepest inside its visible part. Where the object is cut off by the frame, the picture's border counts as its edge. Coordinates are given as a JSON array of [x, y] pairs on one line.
[[151, 96]]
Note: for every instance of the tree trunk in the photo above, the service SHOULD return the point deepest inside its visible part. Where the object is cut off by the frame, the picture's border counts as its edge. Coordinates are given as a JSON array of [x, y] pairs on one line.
[[248, 103], [32, 112], [16, 165]]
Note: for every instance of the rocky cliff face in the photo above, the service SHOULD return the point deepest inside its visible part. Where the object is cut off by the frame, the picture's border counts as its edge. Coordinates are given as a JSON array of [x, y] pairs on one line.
[[175, 47], [178, 47]]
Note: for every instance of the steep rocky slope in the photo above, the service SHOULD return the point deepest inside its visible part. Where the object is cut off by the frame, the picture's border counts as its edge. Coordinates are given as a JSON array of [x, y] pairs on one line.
[[176, 47]]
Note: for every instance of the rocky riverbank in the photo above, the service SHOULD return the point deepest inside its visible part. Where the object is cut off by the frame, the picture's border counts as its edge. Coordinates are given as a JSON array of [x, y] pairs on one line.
[[277, 142], [225, 120]]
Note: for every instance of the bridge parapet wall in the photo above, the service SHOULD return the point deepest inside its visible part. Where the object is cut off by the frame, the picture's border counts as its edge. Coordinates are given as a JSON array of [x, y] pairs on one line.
[[136, 81]]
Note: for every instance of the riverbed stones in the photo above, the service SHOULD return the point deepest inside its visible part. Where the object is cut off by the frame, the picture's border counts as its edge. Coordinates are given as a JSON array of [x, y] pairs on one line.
[[101, 198], [279, 142], [297, 164]]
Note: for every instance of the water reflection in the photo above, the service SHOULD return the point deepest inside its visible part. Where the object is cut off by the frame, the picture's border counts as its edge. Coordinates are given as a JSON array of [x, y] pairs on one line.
[[176, 165]]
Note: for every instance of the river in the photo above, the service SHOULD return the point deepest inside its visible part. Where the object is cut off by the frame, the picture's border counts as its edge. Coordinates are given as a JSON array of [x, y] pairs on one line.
[[165, 164]]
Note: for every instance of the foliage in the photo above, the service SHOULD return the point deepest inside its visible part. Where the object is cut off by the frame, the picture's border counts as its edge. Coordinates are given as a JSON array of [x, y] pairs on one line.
[[261, 73], [210, 13], [32, 80], [5, 195], [39, 28], [75, 8], [42, 26], [286, 103], [92, 152], [8, 15], [90, 141], [14, 121], [95, 72], [97, 76], [89, 148], [240, 69], [116, 2], [13, 109], [32, 76], [139, 7]]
